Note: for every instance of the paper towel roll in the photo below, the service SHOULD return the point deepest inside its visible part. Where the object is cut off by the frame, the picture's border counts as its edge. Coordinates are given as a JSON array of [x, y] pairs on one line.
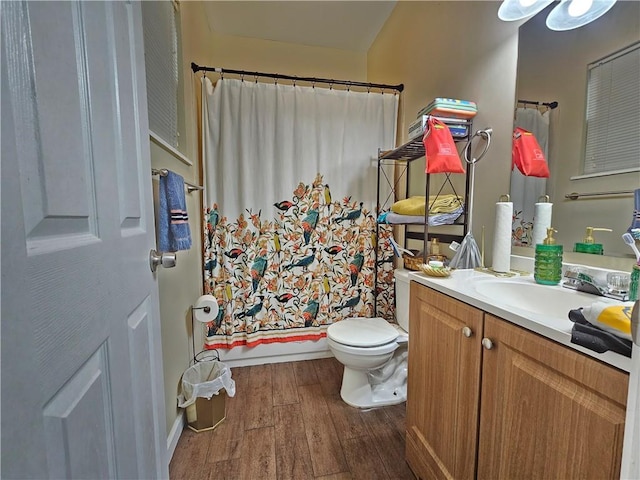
[[203, 314], [541, 221], [502, 237]]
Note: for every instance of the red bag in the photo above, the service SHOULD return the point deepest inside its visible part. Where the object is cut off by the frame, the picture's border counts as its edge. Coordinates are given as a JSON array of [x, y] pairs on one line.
[[440, 150], [527, 155]]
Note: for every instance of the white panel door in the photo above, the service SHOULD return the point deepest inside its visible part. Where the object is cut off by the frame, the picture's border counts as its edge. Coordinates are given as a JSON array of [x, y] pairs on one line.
[[82, 389]]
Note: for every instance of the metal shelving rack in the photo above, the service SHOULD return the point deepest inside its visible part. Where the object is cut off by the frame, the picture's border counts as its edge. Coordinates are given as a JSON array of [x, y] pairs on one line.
[[402, 157]]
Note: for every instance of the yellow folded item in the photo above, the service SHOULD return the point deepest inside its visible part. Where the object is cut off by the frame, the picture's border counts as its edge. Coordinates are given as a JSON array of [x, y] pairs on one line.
[[409, 206], [444, 203], [612, 318], [439, 204]]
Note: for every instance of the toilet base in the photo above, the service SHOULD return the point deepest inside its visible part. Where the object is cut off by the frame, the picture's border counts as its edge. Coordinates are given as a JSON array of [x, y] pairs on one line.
[[358, 392]]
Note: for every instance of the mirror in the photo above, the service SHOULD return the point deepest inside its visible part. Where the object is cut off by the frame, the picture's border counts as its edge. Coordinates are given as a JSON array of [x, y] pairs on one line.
[[552, 67]]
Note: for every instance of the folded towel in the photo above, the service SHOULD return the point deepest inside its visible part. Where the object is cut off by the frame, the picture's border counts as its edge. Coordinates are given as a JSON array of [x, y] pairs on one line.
[[448, 203], [589, 336], [409, 206], [452, 103], [173, 222], [435, 219]]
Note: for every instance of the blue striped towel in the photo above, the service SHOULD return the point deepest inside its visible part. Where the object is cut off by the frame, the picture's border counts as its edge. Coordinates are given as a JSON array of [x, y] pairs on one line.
[[173, 221]]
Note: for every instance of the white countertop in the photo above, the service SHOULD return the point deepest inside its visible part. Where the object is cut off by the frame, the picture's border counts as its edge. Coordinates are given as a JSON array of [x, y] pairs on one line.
[[463, 285]]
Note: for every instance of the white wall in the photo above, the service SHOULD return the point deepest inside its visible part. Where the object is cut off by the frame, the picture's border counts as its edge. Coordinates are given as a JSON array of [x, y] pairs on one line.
[[180, 287]]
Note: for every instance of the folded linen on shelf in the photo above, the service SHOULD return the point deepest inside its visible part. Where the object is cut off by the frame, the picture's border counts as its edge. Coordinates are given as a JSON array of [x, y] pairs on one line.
[[458, 127], [450, 107], [449, 103], [452, 112], [393, 218], [415, 205]]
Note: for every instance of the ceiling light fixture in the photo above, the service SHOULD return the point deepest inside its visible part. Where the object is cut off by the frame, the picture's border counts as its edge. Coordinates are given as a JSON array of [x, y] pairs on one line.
[[572, 14], [511, 10]]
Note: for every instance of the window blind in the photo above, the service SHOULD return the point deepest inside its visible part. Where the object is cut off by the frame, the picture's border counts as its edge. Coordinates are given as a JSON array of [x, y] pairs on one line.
[[161, 62], [613, 113]]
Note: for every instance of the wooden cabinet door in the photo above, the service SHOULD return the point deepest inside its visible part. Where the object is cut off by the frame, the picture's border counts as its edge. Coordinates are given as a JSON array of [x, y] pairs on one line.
[[443, 385], [547, 411]]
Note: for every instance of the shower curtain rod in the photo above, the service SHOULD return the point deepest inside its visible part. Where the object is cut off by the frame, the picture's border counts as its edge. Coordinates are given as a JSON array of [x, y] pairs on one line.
[[551, 105], [197, 68]]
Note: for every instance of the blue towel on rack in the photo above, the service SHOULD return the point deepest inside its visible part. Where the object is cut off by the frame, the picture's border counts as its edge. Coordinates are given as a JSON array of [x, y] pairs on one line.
[[173, 222]]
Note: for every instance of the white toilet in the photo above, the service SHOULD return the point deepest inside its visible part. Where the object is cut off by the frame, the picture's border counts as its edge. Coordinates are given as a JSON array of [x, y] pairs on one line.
[[374, 353]]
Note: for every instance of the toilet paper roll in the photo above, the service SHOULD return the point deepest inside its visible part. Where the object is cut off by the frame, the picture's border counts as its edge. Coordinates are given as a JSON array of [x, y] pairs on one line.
[[541, 221], [502, 237], [203, 314]]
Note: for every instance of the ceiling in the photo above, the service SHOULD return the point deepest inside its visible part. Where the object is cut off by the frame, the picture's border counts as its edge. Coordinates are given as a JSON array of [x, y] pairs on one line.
[[345, 25]]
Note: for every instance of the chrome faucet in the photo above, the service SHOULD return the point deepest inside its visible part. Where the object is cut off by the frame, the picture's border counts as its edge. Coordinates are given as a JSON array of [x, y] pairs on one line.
[[587, 284]]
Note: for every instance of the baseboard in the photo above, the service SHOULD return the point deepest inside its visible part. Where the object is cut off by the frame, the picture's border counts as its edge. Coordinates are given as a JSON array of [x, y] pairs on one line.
[[295, 357], [174, 435], [275, 353]]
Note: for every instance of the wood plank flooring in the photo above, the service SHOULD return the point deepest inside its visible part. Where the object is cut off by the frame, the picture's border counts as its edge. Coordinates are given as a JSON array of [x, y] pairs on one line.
[[287, 421]]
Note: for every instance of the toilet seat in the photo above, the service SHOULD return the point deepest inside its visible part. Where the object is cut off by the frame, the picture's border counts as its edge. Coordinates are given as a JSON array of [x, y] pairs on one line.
[[364, 333], [364, 351]]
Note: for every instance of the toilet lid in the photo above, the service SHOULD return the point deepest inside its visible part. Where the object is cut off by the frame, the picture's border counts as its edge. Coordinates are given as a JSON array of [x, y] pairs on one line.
[[362, 332]]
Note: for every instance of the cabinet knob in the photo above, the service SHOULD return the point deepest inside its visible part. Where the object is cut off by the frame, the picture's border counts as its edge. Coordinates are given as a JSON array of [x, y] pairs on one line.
[[487, 343], [467, 332]]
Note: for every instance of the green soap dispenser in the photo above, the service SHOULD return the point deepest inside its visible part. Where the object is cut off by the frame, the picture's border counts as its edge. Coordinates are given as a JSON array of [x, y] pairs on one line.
[[588, 244], [548, 263]]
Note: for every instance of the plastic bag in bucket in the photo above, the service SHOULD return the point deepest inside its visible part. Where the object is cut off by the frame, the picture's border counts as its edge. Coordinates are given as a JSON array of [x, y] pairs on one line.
[[203, 394], [205, 379]]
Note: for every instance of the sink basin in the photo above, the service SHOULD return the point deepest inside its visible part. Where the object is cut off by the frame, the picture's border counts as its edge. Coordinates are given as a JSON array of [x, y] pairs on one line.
[[549, 302]]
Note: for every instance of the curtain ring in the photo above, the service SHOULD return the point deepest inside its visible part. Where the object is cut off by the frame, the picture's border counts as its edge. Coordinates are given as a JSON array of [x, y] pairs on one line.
[[331, 85], [221, 75], [242, 77], [369, 89], [313, 84], [294, 82], [256, 77]]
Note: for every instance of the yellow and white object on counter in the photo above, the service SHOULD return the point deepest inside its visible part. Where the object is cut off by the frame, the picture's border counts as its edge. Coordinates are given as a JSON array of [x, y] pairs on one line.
[[612, 318]]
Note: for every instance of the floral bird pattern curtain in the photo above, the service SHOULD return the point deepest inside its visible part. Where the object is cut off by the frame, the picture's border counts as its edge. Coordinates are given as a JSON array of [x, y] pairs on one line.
[[288, 278]]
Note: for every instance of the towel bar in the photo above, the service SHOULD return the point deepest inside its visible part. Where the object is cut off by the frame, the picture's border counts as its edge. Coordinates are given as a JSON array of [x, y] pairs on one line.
[[575, 195], [163, 173]]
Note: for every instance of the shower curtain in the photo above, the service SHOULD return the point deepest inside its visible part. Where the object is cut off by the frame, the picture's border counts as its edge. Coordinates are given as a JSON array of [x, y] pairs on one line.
[[290, 191], [525, 191]]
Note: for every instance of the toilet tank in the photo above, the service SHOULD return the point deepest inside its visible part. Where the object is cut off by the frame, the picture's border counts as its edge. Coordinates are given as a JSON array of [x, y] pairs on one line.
[[402, 297]]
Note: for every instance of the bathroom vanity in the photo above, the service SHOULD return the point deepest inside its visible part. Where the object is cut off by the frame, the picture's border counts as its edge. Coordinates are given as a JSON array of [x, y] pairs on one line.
[[498, 391]]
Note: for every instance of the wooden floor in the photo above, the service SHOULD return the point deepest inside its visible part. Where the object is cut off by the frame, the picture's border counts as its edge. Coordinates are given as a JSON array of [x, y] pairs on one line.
[[287, 421]]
